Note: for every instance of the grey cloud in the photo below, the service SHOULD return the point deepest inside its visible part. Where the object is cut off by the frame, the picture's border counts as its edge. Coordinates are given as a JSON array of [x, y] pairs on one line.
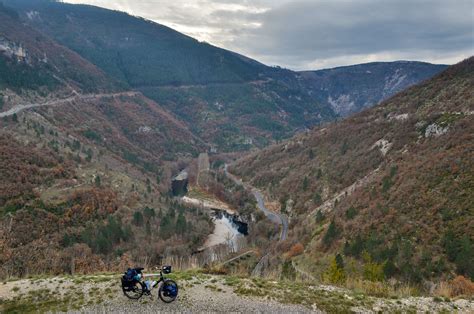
[[327, 29], [317, 33]]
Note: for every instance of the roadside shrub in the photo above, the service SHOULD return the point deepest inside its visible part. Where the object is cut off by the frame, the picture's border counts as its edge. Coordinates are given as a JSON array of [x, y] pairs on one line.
[[295, 250], [288, 271], [462, 286]]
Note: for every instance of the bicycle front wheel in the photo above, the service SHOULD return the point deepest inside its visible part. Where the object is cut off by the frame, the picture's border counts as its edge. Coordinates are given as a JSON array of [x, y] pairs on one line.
[[168, 291]]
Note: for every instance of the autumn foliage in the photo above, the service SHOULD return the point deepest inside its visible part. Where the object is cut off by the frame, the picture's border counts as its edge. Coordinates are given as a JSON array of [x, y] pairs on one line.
[[295, 250], [382, 183]]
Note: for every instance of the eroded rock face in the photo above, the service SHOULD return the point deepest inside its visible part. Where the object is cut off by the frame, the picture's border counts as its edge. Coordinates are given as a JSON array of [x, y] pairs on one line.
[[383, 145], [435, 130], [12, 50], [342, 105], [398, 117]]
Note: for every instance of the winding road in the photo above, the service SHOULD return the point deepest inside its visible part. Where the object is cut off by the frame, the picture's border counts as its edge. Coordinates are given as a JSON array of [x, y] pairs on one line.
[[276, 218], [19, 108]]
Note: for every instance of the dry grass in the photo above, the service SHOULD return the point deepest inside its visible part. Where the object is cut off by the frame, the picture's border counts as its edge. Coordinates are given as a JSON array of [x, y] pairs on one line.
[[383, 289], [459, 286]]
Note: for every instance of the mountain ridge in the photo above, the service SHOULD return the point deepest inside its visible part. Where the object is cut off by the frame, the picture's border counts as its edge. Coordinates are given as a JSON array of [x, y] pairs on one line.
[[350, 89], [255, 105], [406, 162]]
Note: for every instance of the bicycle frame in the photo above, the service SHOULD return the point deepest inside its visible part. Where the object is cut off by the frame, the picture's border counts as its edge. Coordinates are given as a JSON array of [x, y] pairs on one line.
[[162, 278]]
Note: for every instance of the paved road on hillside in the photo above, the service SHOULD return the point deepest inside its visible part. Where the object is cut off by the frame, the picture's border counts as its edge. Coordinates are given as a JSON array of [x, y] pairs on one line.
[[276, 218], [19, 108]]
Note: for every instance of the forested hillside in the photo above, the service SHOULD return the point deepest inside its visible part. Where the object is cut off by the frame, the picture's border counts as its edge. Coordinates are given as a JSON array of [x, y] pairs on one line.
[[136, 51], [391, 187], [30, 60], [230, 101], [84, 166], [100, 109]]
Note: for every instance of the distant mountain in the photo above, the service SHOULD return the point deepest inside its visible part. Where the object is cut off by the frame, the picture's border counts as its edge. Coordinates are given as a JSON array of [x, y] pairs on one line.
[[395, 182], [228, 100], [351, 89]]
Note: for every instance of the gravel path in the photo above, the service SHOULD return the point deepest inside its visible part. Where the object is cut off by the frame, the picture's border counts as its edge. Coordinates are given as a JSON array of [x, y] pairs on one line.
[[197, 299], [203, 293]]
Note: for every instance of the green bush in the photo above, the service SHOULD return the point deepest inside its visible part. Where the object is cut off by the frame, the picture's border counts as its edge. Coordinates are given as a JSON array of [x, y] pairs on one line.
[[351, 213], [335, 273], [372, 271], [92, 135]]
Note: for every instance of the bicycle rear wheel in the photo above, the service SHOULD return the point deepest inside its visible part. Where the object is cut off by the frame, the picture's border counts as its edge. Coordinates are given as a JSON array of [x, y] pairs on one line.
[[168, 291], [134, 291]]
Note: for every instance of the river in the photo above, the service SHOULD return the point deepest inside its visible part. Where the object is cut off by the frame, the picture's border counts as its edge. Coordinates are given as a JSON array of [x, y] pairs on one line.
[[226, 231]]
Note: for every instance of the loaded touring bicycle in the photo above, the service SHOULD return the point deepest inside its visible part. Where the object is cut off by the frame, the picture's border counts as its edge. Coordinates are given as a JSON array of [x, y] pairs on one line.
[[134, 286]]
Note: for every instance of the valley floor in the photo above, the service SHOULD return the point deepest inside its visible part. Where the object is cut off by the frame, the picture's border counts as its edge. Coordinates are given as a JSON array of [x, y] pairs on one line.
[[205, 293]]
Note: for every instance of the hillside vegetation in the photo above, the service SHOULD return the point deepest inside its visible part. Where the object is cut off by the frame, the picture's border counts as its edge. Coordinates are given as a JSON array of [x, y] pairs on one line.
[[84, 177], [232, 102], [33, 61], [391, 187], [101, 109]]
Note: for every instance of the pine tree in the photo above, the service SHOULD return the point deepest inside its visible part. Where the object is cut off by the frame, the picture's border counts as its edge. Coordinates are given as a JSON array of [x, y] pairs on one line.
[[317, 199], [149, 212], [319, 216], [305, 183], [319, 174], [339, 261], [97, 181], [331, 234], [166, 227], [148, 228], [465, 257], [181, 224], [137, 219]]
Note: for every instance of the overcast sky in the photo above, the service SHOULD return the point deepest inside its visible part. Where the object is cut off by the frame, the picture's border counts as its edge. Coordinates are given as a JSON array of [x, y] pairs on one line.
[[315, 34]]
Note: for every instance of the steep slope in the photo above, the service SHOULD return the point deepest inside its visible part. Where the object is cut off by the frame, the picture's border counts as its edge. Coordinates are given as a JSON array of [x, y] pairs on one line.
[[134, 50], [38, 71], [353, 88], [84, 166], [395, 181], [230, 101], [33, 61]]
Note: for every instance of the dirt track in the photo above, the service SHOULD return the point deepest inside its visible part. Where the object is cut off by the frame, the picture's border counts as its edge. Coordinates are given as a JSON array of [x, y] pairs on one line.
[[57, 102]]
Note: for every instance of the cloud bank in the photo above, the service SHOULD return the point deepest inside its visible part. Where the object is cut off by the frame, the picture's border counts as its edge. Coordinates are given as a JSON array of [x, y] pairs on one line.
[[314, 34]]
